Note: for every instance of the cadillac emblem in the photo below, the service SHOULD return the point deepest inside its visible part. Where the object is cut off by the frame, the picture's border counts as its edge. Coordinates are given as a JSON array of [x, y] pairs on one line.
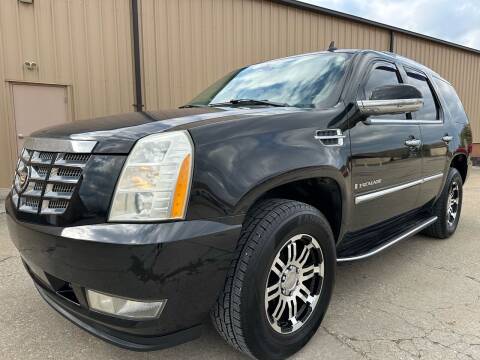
[[22, 177]]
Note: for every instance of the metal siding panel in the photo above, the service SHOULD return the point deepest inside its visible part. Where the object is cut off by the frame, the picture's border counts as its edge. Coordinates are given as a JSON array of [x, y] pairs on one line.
[[27, 28], [125, 77], [11, 40], [83, 92], [217, 36], [85, 44], [45, 40], [62, 41], [110, 65], [94, 37], [6, 169]]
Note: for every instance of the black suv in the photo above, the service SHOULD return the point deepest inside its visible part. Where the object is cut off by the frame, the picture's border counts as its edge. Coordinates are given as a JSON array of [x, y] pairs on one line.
[[241, 203]]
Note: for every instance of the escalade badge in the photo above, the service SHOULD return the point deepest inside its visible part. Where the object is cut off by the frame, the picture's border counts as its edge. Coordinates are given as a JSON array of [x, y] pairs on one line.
[[368, 183]]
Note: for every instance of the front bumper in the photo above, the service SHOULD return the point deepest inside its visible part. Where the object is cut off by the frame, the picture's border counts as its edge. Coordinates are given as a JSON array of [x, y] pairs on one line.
[[183, 262]]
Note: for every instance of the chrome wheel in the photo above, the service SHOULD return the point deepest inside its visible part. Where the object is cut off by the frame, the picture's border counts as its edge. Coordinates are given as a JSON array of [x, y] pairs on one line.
[[294, 283], [453, 203]]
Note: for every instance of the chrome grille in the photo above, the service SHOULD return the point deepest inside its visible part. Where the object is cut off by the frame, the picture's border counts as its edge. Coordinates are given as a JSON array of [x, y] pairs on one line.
[[69, 172], [82, 158], [63, 188], [51, 180]]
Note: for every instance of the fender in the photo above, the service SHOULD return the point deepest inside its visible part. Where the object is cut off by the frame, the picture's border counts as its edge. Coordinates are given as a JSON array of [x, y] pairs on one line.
[[236, 164]]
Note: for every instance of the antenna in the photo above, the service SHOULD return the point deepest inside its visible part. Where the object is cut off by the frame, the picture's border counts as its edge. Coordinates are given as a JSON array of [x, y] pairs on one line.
[[332, 47]]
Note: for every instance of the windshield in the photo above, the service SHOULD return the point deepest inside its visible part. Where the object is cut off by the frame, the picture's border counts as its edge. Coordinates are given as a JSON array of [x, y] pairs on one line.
[[308, 81]]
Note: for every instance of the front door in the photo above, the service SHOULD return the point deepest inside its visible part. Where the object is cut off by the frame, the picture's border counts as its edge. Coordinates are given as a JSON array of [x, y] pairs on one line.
[[386, 157], [36, 107]]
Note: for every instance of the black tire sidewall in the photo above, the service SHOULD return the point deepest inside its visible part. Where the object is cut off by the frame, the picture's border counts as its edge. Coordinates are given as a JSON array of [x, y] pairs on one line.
[[262, 340], [453, 175]]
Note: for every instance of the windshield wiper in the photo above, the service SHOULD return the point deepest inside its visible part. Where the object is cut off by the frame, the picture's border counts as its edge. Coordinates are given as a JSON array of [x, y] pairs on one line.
[[249, 102], [192, 106]]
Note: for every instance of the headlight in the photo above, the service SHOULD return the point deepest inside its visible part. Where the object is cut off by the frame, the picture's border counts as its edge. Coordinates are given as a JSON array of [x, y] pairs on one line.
[[155, 180]]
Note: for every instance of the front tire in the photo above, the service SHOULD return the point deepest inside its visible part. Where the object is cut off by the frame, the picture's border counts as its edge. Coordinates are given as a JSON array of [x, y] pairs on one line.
[[448, 207], [280, 282]]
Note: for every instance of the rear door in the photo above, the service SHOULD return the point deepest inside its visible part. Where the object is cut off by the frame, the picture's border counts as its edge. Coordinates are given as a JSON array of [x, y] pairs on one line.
[[385, 170], [435, 136]]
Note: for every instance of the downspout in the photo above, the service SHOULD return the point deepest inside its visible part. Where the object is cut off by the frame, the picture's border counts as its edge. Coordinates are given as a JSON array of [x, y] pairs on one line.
[[392, 41], [136, 57]]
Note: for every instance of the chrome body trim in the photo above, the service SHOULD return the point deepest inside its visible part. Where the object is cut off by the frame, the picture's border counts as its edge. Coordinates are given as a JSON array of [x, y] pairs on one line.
[[59, 145], [401, 122], [373, 195], [394, 241], [383, 107], [433, 177], [376, 194]]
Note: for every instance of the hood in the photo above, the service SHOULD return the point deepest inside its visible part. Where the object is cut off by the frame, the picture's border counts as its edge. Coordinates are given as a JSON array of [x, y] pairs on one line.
[[117, 134]]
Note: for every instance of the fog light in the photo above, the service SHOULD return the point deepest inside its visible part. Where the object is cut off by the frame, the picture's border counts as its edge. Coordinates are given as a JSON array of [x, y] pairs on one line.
[[125, 308]]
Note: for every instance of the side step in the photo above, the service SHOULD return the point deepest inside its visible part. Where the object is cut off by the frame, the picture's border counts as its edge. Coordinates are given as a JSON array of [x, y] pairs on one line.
[[391, 242]]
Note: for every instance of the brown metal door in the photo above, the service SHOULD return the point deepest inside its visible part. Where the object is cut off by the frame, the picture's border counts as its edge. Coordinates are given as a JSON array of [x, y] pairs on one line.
[[36, 107]]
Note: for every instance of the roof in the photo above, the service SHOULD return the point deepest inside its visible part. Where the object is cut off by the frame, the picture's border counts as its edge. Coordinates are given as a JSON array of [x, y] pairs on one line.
[[338, 14]]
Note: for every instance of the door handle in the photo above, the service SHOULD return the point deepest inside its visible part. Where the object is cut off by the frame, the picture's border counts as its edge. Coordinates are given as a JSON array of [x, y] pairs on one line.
[[447, 138], [413, 143]]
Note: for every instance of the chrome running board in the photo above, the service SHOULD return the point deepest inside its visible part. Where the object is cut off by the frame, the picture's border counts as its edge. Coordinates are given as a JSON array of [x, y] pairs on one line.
[[390, 243]]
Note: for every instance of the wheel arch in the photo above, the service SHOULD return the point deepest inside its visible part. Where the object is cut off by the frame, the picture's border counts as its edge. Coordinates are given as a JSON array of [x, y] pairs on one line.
[[327, 184], [460, 162]]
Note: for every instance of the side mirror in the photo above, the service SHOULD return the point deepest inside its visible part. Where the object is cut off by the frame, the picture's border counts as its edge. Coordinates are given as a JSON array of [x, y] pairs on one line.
[[392, 99]]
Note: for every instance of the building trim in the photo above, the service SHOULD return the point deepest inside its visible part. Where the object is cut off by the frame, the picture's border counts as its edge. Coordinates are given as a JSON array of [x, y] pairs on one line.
[[338, 14], [137, 57], [392, 41]]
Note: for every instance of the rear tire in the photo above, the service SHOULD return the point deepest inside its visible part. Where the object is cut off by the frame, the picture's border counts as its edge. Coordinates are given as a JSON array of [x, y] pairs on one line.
[[447, 207], [285, 246]]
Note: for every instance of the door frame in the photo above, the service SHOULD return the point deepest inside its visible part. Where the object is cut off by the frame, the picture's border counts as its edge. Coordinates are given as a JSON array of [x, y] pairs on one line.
[[11, 122], [377, 193]]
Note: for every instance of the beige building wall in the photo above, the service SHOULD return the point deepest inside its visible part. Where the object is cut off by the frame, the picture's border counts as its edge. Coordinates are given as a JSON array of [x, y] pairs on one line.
[[188, 44], [185, 46], [85, 44]]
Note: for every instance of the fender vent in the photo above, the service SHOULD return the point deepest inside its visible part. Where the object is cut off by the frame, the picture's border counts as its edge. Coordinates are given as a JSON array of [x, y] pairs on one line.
[[330, 137]]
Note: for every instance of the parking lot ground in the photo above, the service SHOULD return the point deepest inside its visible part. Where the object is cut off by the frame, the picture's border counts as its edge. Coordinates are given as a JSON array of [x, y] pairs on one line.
[[419, 300]]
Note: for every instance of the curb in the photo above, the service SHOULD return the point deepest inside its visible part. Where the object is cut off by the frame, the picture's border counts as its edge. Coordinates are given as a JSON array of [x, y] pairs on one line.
[[3, 193]]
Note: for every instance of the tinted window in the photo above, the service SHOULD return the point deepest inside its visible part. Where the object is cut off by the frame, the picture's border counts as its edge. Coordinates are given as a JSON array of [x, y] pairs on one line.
[[382, 75], [429, 111], [452, 101], [311, 81]]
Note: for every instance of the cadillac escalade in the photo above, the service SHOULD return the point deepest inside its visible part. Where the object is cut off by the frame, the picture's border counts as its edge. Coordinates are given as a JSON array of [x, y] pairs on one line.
[[239, 205]]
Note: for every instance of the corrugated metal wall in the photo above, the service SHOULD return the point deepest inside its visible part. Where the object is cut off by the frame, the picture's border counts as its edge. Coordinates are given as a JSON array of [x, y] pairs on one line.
[[186, 45], [85, 44]]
